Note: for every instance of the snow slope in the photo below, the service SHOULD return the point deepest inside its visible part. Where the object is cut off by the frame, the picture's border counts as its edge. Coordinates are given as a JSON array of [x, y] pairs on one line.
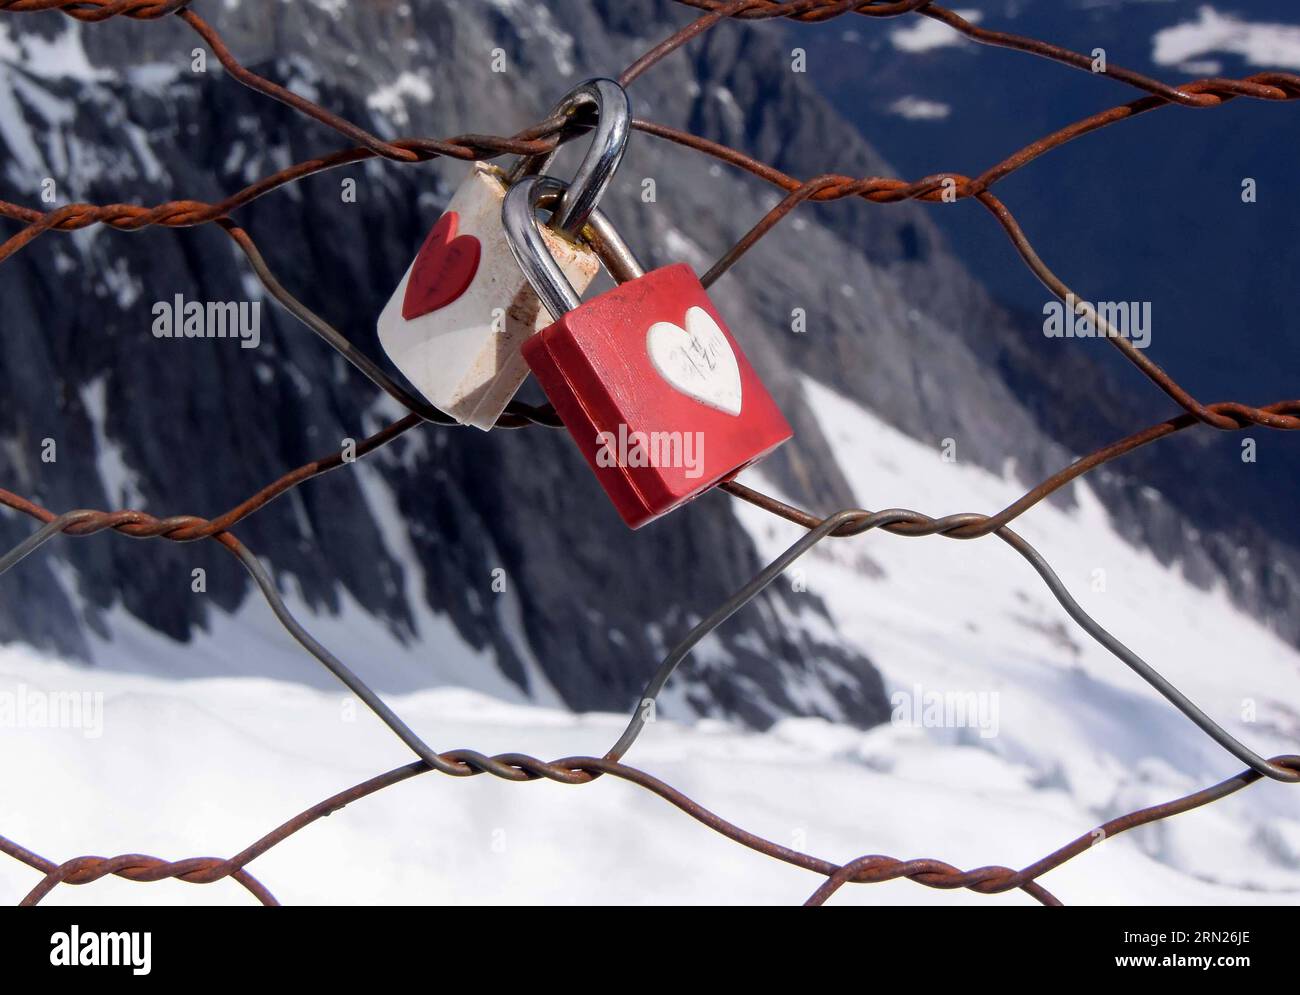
[[205, 766]]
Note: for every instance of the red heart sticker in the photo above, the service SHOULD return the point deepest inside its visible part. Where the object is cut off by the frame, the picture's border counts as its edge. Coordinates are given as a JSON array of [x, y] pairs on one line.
[[443, 270]]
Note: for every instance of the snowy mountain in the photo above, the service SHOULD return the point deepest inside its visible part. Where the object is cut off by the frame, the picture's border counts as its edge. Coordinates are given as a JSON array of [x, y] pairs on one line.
[[416, 539]]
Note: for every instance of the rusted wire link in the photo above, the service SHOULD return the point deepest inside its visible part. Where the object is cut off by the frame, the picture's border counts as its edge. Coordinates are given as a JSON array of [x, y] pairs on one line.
[[876, 868], [865, 870], [729, 8], [824, 10], [934, 874], [716, 10], [187, 528], [188, 213], [540, 139], [956, 527], [1270, 86], [138, 867], [1226, 415], [97, 10], [521, 767], [571, 770], [933, 188], [308, 108]]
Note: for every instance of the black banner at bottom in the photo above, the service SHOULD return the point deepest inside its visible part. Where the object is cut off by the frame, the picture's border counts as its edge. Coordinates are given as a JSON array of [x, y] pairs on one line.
[[138, 945]]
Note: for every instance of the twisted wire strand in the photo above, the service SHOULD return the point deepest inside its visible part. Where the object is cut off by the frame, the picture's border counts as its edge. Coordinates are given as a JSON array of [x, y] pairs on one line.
[[519, 767], [1224, 416], [812, 11], [823, 10], [872, 869], [849, 522], [97, 10]]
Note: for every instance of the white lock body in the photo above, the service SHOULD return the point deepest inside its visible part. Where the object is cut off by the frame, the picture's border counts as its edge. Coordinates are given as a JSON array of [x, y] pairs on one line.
[[456, 334]]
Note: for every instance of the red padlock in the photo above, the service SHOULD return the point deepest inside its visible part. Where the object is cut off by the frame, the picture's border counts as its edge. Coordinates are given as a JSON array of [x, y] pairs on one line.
[[646, 377]]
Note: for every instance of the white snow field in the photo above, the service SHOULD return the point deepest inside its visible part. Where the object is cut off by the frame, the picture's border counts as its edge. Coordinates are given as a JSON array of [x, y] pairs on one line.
[[1066, 737]]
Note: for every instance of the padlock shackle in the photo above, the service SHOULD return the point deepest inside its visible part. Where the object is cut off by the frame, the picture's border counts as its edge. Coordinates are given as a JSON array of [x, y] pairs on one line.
[[524, 236], [613, 126]]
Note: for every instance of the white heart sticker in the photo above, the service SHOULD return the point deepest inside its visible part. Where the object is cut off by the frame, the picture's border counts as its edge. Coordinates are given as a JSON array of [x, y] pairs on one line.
[[696, 360]]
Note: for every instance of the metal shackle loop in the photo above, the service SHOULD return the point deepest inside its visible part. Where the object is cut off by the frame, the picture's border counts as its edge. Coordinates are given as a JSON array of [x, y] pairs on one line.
[[524, 236], [613, 126]]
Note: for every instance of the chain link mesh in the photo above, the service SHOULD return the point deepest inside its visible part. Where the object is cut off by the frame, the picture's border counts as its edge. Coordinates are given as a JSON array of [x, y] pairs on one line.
[[1223, 415]]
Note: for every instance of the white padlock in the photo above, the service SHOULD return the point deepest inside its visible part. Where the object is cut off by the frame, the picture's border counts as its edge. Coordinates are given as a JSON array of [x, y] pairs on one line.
[[456, 322]]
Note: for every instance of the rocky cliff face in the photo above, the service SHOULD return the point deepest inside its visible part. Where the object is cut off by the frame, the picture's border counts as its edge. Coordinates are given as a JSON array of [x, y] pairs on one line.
[[114, 112]]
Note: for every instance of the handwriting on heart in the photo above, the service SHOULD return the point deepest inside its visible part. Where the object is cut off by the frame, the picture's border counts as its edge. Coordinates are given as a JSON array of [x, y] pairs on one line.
[[443, 270], [697, 360]]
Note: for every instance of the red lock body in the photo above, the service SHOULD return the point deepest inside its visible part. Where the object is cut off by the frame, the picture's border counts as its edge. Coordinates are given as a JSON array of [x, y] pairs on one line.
[[656, 393]]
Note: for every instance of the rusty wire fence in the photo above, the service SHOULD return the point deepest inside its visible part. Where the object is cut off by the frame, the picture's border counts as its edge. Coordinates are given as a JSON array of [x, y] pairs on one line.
[[1223, 415]]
